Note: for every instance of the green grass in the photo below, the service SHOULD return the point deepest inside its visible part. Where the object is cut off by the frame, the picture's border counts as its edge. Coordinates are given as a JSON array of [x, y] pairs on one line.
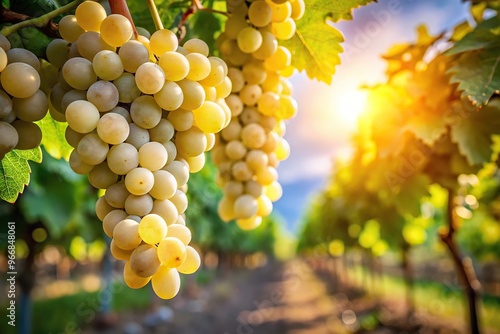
[[436, 298]]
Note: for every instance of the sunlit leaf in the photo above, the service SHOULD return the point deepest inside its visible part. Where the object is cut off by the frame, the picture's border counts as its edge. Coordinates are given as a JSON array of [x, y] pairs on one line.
[[54, 139], [15, 172]]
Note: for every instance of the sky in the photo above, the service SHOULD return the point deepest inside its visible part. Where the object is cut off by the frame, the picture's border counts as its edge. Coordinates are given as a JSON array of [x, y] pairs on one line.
[[327, 114]]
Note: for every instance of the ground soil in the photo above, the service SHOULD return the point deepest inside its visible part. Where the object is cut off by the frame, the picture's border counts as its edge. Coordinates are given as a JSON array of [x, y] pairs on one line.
[[279, 298]]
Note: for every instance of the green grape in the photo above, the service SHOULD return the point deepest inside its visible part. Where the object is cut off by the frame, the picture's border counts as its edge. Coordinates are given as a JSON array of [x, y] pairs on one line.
[[145, 112], [111, 220], [30, 135], [164, 186], [126, 234], [133, 54], [191, 142], [144, 261], [149, 78], [139, 181], [132, 280], [103, 94], [31, 109], [174, 65], [138, 136], [139, 205], [102, 208], [249, 40], [127, 88], [166, 282], [78, 73], [153, 156], [152, 229], [162, 41], [235, 150], [192, 262], [245, 206], [284, 30], [82, 116], [209, 117], [69, 28], [167, 210], [77, 165], [163, 132], [116, 195], [116, 30], [196, 45], [251, 223], [89, 15], [8, 138], [107, 65], [194, 94], [123, 158], [180, 170], [259, 13], [180, 232], [113, 128], [170, 96], [20, 80], [90, 43], [171, 252], [180, 201], [199, 66], [101, 177], [181, 119], [19, 55], [92, 150], [118, 253]]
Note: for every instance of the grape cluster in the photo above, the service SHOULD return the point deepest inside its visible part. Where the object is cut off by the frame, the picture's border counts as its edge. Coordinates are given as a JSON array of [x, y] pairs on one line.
[[141, 112], [21, 101], [249, 150]]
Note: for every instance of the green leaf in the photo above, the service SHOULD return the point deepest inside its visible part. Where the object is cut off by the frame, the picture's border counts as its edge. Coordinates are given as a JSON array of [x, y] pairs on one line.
[[473, 131], [205, 25], [338, 10], [407, 200], [429, 128], [15, 172], [478, 74], [315, 47], [54, 139], [477, 70], [485, 35], [59, 198]]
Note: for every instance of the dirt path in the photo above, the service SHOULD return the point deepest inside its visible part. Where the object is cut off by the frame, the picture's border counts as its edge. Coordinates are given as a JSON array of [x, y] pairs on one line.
[[280, 298]]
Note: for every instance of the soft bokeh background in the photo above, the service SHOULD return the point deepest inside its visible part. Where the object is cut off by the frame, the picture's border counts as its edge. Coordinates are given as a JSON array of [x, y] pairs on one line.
[[327, 113]]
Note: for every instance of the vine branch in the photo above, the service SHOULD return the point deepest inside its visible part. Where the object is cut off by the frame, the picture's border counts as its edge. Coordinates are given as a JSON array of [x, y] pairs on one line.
[[40, 21]]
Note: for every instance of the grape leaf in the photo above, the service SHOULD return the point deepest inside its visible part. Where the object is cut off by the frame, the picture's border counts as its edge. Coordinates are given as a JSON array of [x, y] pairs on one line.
[[15, 172], [54, 139], [478, 74], [315, 47], [338, 10], [473, 133], [477, 70]]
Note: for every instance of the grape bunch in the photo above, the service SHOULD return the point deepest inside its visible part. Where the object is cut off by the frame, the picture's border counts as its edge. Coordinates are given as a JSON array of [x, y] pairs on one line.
[[22, 102], [248, 151], [141, 112]]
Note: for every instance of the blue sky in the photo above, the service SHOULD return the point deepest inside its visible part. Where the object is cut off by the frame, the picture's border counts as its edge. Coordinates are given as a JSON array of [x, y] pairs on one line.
[[327, 114]]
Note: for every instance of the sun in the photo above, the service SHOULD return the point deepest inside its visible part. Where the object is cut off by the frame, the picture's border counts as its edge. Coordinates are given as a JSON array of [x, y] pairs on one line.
[[349, 105]]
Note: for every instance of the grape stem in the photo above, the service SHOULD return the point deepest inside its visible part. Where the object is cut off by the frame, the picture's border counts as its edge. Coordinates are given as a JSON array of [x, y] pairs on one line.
[[154, 13], [196, 4], [40, 21]]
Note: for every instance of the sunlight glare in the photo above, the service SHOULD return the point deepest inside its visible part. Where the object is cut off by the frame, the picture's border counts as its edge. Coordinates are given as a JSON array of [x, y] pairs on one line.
[[350, 105]]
